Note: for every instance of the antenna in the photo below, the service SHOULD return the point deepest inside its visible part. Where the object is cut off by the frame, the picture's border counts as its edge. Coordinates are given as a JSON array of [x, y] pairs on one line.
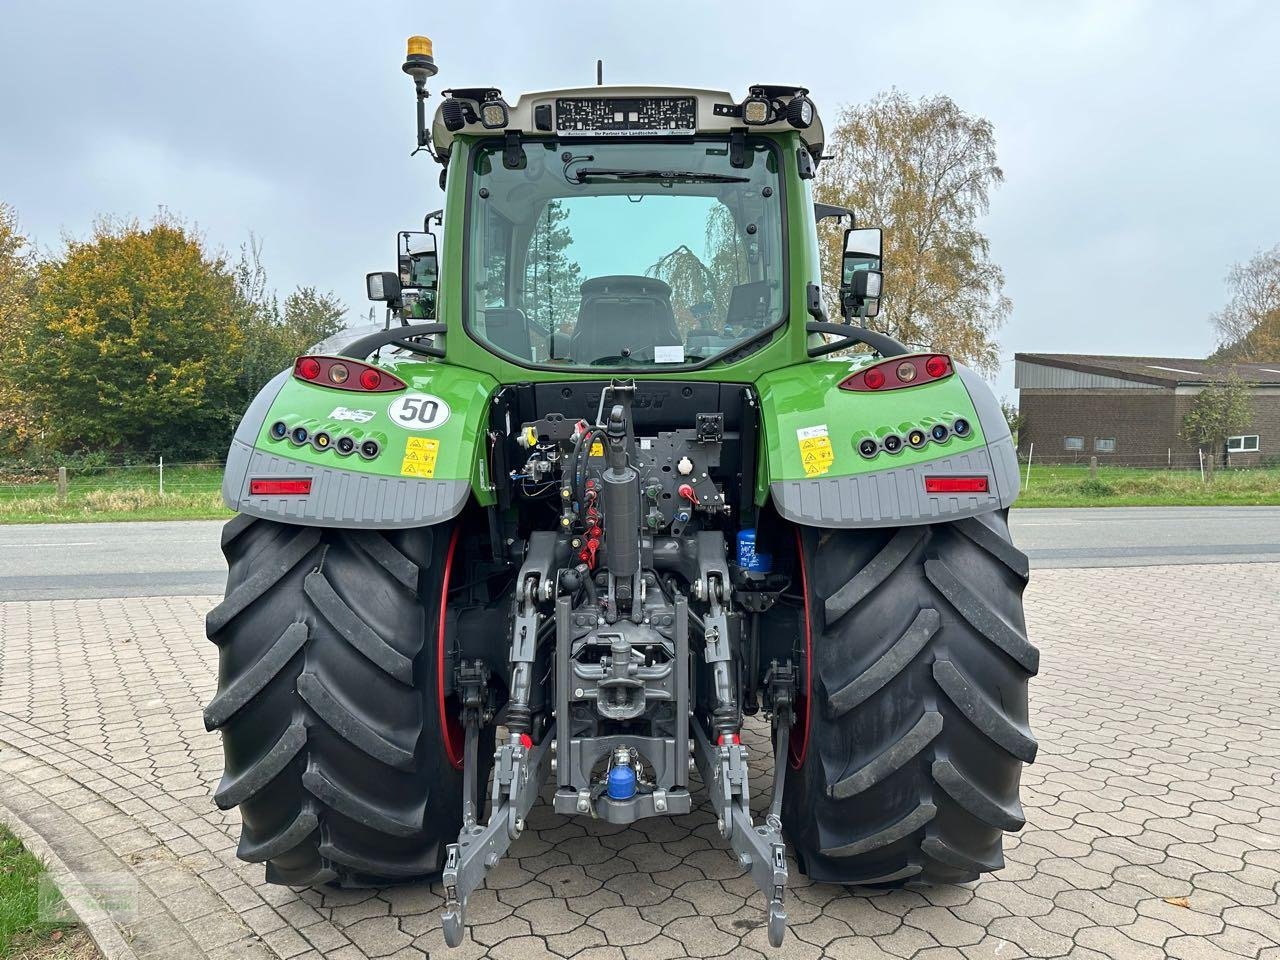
[[599, 73]]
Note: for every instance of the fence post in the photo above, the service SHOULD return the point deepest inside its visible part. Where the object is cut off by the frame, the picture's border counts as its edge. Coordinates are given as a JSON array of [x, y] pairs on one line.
[[1093, 468], [1201, 452], [1031, 452], [62, 484], [162, 476]]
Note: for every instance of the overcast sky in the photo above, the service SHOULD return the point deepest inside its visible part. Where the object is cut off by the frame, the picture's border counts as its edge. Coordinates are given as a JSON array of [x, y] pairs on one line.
[[1140, 141]]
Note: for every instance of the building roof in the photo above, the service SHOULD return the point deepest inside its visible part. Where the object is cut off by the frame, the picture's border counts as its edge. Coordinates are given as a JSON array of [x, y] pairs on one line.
[[1163, 371]]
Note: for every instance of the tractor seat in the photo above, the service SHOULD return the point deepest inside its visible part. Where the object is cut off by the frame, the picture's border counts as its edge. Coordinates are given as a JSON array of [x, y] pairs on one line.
[[623, 313], [748, 306]]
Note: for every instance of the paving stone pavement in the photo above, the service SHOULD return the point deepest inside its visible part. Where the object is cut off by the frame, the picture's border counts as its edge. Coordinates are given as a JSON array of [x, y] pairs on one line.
[[1153, 811]]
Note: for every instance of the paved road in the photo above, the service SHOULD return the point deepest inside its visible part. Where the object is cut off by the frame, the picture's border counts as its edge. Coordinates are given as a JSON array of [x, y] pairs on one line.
[[1152, 833], [68, 561]]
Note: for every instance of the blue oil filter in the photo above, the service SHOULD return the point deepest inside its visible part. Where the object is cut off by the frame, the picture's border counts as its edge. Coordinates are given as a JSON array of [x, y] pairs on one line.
[[748, 557]]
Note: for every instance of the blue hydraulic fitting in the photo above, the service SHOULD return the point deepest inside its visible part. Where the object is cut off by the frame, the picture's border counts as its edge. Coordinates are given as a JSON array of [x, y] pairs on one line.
[[622, 783]]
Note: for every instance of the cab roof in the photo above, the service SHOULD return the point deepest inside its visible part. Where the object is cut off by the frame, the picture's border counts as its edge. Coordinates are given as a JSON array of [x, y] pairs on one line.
[[617, 111]]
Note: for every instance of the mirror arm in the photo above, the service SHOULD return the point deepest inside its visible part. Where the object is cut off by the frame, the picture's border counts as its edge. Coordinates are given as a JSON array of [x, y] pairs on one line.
[[881, 343]]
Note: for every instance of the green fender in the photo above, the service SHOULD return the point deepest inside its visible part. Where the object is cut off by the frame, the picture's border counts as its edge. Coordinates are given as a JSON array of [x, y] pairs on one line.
[[431, 456], [815, 475]]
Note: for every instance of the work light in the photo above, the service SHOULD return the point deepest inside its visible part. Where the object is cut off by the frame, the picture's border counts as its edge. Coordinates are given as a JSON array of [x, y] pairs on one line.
[[493, 114], [757, 110]]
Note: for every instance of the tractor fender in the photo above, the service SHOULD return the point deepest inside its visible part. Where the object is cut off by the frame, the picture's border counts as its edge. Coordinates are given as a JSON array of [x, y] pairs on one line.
[[816, 476], [424, 472]]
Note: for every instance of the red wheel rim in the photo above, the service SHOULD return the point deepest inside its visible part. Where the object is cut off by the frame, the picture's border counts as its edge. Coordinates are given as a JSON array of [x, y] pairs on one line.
[[450, 724], [800, 731]]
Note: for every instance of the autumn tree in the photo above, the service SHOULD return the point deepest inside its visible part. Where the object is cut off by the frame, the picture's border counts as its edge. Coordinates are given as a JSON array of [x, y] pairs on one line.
[[17, 278], [273, 336], [923, 170], [1220, 410], [135, 343], [1249, 325]]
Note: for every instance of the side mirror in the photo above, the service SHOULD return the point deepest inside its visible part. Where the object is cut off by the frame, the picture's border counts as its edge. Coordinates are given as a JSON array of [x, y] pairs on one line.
[[861, 278], [383, 286], [416, 256]]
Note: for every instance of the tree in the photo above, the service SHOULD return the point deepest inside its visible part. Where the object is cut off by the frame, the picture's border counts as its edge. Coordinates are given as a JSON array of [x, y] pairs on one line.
[[136, 343], [694, 282], [1220, 410], [552, 280], [1013, 417], [923, 170], [272, 337], [1249, 325], [17, 278]]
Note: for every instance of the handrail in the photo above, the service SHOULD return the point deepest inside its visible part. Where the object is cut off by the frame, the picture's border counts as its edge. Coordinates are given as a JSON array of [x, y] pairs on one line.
[[403, 337], [881, 343]]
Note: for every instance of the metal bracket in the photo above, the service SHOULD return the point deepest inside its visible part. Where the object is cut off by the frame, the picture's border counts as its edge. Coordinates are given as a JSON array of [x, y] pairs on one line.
[[519, 772], [512, 151], [760, 848]]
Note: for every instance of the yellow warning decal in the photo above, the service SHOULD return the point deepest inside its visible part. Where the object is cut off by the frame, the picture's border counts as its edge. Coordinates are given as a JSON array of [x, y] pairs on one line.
[[597, 449], [816, 454], [420, 457]]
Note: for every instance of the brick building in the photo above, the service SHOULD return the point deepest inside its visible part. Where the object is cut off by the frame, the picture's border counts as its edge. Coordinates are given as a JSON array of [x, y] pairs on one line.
[[1129, 410]]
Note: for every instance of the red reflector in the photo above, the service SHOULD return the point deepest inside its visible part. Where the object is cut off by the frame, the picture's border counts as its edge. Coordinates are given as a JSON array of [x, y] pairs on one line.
[[955, 485], [266, 488]]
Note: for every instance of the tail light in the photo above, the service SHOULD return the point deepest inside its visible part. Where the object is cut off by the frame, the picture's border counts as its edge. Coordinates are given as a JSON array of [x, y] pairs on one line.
[[956, 485], [289, 488], [900, 372], [341, 373]]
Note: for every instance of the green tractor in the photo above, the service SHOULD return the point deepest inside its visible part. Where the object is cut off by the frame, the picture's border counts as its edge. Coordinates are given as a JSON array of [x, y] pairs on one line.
[[609, 483]]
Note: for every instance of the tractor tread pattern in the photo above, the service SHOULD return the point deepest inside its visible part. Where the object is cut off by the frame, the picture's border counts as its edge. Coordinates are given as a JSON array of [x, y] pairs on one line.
[[912, 641], [252, 682], [874, 573], [355, 631], [981, 616], [919, 729], [233, 791], [261, 851], [356, 808], [984, 713], [325, 703], [891, 760], [977, 801], [262, 579], [894, 832], [347, 724]]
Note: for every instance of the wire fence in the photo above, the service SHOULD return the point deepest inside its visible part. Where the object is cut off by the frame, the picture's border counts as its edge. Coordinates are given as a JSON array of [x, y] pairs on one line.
[[1176, 468], [20, 481]]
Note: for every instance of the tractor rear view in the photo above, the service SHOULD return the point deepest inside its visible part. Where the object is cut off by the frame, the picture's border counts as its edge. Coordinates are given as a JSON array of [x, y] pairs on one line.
[[609, 483]]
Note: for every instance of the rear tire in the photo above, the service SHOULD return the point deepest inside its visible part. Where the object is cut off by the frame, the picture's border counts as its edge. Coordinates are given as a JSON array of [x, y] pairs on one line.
[[914, 732], [327, 702]]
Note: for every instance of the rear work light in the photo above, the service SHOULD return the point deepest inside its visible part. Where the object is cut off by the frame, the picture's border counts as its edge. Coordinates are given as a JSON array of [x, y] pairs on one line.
[[342, 373], [288, 488], [900, 372], [955, 485]]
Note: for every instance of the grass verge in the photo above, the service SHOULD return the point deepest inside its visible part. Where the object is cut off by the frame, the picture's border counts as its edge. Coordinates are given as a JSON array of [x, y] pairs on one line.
[[25, 933], [1071, 486]]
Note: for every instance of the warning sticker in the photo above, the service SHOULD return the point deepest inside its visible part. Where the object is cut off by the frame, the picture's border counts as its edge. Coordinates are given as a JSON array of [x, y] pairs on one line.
[[420, 457], [597, 449], [816, 454]]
